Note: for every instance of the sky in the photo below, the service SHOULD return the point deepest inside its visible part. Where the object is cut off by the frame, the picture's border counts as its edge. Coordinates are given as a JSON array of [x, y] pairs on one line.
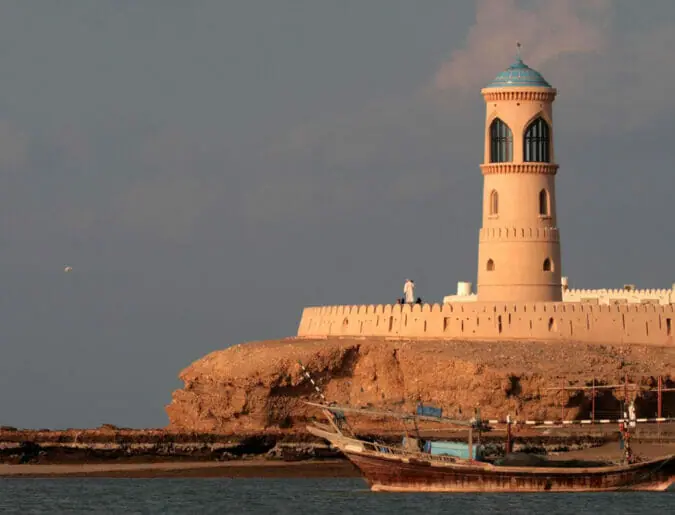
[[210, 168]]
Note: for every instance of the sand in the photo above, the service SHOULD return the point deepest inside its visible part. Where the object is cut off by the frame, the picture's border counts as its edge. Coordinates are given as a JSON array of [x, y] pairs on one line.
[[612, 451], [232, 469], [268, 468]]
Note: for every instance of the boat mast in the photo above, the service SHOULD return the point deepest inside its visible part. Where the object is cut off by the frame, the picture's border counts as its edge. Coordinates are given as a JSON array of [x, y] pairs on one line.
[[470, 443]]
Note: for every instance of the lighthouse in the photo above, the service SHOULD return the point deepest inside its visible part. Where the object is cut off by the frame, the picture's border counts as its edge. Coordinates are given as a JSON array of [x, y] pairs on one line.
[[519, 241]]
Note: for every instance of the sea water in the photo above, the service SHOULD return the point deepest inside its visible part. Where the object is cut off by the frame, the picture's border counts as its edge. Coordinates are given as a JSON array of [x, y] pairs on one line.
[[295, 496]]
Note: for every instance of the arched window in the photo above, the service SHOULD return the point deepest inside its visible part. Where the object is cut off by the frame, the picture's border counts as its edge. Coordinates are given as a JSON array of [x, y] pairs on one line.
[[544, 203], [501, 142], [494, 202], [490, 265], [548, 265], [537, 142]]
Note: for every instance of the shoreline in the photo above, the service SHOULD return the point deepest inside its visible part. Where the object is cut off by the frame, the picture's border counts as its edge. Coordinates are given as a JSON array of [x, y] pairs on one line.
[[186, 469], [128, 453], [260, 468]]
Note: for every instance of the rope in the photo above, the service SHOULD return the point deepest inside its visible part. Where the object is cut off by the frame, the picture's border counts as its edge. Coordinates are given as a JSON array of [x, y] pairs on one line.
[[341, 421], [309, 376]]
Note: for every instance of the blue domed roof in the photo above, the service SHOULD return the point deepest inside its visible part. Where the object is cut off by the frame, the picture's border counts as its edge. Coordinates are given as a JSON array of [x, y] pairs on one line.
[[519, 74]]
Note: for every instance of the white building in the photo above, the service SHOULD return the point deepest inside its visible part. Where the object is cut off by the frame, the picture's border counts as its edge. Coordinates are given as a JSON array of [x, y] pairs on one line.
[[626, 295]]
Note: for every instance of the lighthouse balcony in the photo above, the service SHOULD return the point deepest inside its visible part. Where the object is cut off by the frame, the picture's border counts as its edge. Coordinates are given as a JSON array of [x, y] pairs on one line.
[[519, 168]]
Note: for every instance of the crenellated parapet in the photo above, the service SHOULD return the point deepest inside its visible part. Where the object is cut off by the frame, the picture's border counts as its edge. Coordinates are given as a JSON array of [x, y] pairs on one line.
[[661, 296], [620, 291], [366, 309], [646, 323]]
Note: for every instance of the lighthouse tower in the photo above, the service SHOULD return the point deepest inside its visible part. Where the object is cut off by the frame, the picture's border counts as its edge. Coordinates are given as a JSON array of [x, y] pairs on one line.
[[519, 245]]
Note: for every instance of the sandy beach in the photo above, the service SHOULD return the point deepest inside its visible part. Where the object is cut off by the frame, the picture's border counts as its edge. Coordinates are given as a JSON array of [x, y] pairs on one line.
[[232, 469], [266, 468], [612, 451]]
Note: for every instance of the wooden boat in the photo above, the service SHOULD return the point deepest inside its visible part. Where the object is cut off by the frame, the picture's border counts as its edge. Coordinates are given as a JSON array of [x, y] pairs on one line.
[[408, 469]]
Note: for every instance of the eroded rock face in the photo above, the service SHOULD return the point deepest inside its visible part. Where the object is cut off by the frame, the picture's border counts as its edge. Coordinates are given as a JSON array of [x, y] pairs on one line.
[[260, 385]]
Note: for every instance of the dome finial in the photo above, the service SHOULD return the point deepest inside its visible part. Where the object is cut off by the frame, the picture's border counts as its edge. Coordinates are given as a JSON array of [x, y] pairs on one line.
[[518, 45]]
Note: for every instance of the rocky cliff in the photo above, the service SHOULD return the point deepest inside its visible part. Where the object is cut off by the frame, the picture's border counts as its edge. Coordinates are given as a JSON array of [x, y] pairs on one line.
[[260, 386]]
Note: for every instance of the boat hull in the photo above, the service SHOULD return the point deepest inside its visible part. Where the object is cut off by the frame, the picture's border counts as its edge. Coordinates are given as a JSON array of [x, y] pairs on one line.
[[403, 474]]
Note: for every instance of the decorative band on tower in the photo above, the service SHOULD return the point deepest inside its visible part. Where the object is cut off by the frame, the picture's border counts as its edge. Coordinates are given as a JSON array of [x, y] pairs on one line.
[[542, 168]]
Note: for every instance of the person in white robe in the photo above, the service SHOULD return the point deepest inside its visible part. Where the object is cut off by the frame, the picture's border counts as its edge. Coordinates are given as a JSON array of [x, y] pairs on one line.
[[409, 291]]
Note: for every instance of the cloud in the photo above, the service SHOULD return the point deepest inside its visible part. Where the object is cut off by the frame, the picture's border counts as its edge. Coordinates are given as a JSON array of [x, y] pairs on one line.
[[551, 29], [73, 145], [387, 127], [175, 190], [166, 206], [332, 139], [170, 150], [13, 147], [611, 80], [630, 88], [388, 152]]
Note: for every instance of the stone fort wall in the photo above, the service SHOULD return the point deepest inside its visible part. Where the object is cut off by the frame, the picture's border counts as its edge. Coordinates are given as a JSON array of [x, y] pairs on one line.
[[583, 321], [609, 295]]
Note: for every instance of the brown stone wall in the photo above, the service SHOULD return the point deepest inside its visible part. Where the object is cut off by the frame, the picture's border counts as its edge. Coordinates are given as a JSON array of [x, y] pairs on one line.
[[584, 322]]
